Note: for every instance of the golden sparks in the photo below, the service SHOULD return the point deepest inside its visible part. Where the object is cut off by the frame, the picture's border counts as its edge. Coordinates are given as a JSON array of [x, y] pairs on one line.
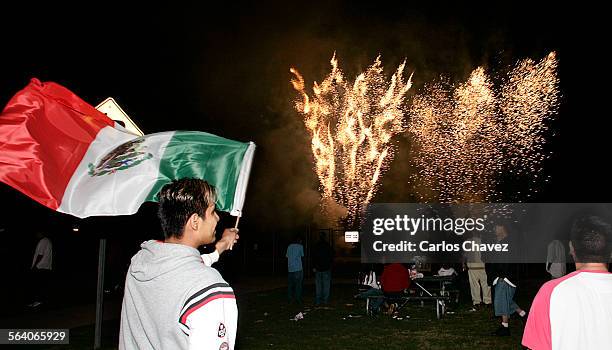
[[470, 136], [352, 125]]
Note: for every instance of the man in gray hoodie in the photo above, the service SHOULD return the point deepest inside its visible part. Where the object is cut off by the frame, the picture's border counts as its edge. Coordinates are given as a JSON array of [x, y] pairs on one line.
[[173, 298]]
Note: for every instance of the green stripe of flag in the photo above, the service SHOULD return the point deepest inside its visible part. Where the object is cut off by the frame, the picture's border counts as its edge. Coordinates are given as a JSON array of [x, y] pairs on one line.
[[205, 156]]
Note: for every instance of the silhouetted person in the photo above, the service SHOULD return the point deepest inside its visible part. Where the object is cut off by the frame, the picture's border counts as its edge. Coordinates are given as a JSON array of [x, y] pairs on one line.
[[42, 267], [477, 275], [555, 259], [394, 280], [295, 272], [323, 257], [504, 280]]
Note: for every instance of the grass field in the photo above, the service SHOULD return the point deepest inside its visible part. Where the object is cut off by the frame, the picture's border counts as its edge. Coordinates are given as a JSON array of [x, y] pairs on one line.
[[265, 324], [332, 328]]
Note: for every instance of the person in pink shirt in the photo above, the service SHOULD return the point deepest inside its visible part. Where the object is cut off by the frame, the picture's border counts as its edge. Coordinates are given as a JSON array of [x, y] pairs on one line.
[[575, 311]]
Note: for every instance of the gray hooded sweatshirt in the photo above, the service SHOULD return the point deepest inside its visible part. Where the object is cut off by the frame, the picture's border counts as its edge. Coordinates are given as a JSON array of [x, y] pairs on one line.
[[172, 300]]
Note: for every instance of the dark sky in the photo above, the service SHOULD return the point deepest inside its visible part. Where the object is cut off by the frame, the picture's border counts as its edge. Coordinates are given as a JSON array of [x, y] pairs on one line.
[[225, 70]]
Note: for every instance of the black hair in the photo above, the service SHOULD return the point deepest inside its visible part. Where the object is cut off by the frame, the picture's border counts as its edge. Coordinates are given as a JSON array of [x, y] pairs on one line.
[[297, 238], [180, 199], [323, 236], [591, 239]]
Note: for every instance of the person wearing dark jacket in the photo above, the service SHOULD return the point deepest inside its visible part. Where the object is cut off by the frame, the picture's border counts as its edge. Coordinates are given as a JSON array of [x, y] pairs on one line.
[[323, 257], [503, 277]]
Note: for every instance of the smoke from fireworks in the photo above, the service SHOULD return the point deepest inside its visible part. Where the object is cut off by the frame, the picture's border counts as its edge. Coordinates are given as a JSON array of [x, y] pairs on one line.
[[352, 124], [469, 136]]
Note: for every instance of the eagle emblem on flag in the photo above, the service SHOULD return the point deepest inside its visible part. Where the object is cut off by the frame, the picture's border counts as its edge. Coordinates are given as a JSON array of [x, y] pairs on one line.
[[125, 156]]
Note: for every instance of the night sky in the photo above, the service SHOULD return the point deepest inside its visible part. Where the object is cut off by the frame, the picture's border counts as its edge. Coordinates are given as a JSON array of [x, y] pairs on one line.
[[225, 70]]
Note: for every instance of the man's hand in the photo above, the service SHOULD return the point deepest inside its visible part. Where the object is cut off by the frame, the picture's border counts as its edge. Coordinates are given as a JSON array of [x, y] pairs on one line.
[[227, 241]]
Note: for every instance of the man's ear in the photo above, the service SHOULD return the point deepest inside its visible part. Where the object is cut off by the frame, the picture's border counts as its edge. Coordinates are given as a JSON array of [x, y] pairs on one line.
[[572, 251], [192, 222]]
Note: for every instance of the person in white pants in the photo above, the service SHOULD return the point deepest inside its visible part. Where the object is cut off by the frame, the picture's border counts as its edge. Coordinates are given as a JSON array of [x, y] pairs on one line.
[[478, 277]]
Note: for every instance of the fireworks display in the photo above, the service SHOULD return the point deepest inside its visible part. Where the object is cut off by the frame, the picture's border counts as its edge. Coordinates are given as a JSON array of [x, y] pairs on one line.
[[470, 136], [352, 125]]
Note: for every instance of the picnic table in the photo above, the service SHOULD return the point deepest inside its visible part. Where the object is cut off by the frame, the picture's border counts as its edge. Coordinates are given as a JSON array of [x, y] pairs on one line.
[[443, 282], [441, 296]]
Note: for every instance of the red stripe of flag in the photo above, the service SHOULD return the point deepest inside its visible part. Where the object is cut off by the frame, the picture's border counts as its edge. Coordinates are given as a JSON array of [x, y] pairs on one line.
[[45, 131]]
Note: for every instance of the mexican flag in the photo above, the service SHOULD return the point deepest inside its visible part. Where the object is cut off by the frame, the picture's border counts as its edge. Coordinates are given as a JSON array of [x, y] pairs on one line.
[[68, 156]]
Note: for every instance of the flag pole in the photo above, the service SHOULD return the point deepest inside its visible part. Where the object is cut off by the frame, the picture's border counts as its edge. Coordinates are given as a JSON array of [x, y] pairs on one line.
[[237, 221], [100, 295]]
